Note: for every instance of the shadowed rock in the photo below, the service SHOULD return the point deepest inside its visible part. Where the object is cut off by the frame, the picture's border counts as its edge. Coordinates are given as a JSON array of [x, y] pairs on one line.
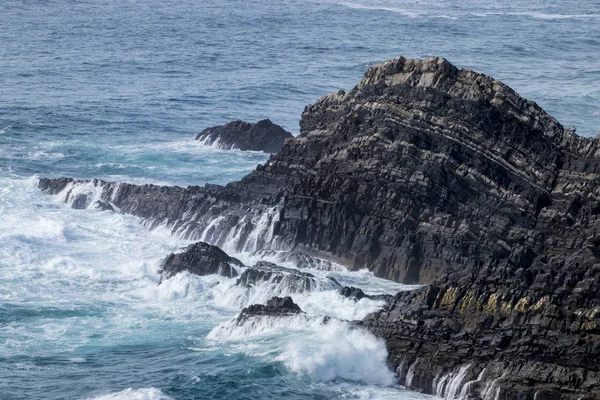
[[262, 136], [200, 259]]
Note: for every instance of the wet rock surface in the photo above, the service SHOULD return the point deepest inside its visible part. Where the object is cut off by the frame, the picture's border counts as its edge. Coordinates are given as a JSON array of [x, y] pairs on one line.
[[262, 136], [201, 259], [427, 173], [357, 294], [293, 280], [296, 258], [275, 307]]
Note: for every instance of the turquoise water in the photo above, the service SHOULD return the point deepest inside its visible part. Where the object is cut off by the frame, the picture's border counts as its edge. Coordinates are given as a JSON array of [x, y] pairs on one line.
[[118, 89]]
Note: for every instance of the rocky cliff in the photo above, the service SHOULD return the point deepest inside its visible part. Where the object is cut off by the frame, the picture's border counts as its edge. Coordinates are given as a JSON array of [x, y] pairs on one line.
[[426, 173]]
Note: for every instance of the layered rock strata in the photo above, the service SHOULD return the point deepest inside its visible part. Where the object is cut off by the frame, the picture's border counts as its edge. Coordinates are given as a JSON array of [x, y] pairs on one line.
[[426, 173]]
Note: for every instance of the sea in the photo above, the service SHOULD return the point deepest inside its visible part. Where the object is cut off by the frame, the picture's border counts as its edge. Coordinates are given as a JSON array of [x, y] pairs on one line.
[[117, 89]]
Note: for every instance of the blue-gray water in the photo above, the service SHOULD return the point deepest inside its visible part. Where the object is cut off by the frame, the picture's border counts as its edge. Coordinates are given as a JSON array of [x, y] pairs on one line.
[[117, 90]]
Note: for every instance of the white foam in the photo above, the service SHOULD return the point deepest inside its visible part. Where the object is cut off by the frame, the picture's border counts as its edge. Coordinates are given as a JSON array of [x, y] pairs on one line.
[[536, 15], [336, 351], [105, 264], [321, 351], [40, 155], [134, 394]]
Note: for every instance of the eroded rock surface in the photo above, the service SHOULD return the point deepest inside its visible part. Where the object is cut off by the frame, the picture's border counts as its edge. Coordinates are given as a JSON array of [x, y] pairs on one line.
[[262, 136]]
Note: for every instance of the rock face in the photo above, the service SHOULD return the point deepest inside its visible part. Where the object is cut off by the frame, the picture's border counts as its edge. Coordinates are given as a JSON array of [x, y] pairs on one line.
[[262, 136], [200, 259], [275, 307], [491, 343], [426, 173]]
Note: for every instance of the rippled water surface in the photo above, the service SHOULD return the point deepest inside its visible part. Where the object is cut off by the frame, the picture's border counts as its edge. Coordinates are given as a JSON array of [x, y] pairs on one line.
[[117, 90]]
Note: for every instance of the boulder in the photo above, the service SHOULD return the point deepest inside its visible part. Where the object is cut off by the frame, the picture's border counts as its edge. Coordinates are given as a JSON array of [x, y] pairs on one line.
[[262, 136], [200, 259]]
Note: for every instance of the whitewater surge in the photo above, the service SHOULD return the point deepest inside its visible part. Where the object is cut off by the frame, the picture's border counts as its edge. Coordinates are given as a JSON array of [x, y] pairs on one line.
[[138, 394], [323, 350], [89, 280]]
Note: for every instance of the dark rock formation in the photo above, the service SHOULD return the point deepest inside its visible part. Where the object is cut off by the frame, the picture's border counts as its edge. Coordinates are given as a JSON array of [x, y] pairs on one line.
[[200, 259], [426, 173], [297, 258], [357, 294], [275, 307], [291, 279], [491, 342], [262, 136], [352, 292]]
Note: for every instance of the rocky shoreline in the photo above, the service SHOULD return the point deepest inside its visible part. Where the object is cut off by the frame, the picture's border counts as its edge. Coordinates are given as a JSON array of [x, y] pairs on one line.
[[426, 173]]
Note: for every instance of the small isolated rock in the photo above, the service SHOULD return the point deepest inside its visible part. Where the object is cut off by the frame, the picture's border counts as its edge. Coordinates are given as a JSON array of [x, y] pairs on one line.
[[276, 306], [262, 136], [200, 259]]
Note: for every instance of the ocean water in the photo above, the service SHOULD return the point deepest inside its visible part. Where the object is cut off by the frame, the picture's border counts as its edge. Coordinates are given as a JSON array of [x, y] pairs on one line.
[[117, 90]]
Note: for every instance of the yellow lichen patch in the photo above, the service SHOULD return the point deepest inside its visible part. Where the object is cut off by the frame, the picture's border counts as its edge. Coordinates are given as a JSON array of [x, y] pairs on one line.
[[469, 303], [540, 303], [506, 307], [589, 326], [492, 304], [521, 305], [449, 298]]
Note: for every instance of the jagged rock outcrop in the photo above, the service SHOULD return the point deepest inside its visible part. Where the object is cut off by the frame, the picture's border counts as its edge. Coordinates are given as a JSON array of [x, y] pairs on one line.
[[262, 136], [288, 279], [426, 173], [275, 307], [201, 259]]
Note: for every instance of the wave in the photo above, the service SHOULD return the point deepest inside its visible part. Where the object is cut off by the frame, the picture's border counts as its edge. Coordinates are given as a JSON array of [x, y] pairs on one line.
[[433, 12], [134, 394], [322, 351], [536, 15], [40, 155], [338, 351]]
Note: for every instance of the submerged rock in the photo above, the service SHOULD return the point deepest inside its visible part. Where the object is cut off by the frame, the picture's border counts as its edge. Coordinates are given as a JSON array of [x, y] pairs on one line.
[[201, 259], [357, 294], [288, 279], [352, 292], [262, 136], [275, 307]]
